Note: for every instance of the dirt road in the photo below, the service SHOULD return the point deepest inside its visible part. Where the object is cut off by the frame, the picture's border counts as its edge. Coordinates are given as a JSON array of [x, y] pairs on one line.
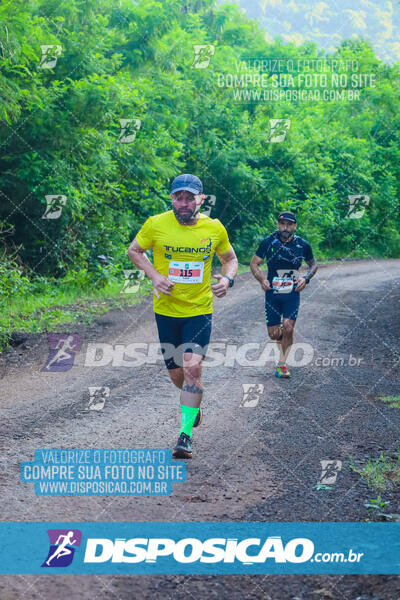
[[254, 462]]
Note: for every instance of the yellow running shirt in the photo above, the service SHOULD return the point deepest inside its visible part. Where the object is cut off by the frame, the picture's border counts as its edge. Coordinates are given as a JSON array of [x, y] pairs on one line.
[[184, 253]]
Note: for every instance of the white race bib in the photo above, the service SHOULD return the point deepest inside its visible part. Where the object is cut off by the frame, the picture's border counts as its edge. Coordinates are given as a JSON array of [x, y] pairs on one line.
[[180, 271], [282, 285], [285, 281]]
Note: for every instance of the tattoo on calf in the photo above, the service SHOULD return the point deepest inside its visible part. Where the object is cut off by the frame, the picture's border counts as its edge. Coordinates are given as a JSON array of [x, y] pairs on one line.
[[194, 389]]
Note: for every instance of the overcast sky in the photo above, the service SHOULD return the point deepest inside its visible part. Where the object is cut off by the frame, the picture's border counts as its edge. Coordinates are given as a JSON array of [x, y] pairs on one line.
[[330, 21]]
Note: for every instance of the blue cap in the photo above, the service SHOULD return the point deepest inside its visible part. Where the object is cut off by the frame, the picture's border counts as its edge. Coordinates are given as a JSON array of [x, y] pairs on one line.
[[187, 182]]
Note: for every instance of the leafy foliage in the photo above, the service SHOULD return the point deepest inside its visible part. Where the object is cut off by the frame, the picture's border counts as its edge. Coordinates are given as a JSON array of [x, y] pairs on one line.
[[60, 133]]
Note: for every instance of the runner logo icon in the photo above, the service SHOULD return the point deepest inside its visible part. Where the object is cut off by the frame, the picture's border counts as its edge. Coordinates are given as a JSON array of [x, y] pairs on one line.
[[63, 543], [62, 351]]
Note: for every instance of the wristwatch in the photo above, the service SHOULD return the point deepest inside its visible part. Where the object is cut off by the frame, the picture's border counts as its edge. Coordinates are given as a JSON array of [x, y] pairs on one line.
[[231, 280], [306, 277]]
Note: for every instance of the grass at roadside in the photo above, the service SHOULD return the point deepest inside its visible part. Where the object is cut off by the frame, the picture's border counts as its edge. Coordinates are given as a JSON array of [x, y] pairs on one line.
[[380, 473], [58, 304]]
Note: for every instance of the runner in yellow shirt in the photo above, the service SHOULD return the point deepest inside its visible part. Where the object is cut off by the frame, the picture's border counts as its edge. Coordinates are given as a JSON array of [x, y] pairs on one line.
[[184, 242]]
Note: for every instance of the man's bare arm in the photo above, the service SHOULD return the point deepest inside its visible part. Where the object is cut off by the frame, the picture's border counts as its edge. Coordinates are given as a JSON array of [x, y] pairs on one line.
[[229, 263], [140, 260], [229, 267], [258, 274], [313, 268]]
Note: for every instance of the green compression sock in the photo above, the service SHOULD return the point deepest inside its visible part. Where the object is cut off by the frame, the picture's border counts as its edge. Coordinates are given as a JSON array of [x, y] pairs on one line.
[[189, 414]]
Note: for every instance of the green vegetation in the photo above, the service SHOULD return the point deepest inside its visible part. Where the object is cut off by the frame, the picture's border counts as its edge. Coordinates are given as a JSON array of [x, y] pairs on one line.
[[378, 509], [380, 473], [60, 129], [393, 401]]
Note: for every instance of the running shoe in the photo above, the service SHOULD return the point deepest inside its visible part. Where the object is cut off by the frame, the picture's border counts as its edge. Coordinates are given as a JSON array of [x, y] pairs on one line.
[[199, 418], [183, 449], [282, 372]]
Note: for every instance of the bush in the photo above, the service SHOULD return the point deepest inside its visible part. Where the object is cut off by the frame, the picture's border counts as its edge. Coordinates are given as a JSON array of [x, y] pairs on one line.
[[12, 279]]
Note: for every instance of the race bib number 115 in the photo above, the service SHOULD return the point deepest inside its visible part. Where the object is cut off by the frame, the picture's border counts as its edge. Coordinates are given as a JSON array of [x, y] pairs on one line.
[[185, 272]]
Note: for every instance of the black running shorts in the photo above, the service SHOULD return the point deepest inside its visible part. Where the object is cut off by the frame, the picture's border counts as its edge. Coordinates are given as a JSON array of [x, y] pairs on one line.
[[183, 334], [281, 305]]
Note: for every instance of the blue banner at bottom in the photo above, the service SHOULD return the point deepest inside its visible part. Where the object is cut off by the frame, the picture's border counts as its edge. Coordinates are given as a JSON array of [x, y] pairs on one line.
[[204, 548]]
